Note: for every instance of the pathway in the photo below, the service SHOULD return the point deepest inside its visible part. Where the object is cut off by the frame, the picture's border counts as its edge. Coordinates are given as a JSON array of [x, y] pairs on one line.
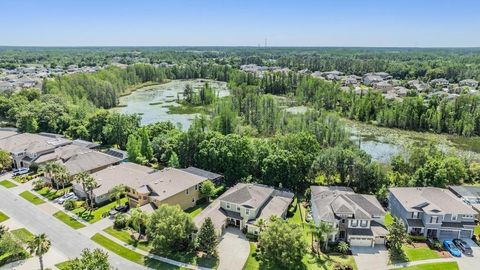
[[406, 264]]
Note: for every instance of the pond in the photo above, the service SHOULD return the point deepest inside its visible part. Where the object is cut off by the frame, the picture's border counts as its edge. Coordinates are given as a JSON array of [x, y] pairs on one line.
[[153, 102]]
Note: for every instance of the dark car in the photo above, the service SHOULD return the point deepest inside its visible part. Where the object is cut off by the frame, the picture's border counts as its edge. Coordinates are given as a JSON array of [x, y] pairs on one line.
[[463, 246], [122, 208]]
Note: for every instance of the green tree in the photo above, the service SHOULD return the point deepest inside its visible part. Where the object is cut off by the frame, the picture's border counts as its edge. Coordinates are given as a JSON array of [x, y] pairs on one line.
[[88, 185], [396, 236], [139, 220], [90, 260], [5, 161], [134, 149], [39, 246], [343, 247], [207, 189], [207, 238], [282, 245], [170, 228], [146, 148], [27, 122], [173, 161], [116, 193]]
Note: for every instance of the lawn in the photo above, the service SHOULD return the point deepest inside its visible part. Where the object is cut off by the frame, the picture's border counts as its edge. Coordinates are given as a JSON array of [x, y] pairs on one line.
[[124, 236], [420, 253], [23, 234], [68, 220], [477, 230], [252, 262], [193, 211], [7, 184], [97, 214], [27, 195], [191, 258], [52, 194], [388, 219], [434, 266], [3, 217], [129, 254]]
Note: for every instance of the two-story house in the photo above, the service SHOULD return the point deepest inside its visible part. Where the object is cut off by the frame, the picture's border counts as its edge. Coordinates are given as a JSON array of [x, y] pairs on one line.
[[244, 204], [357, 218], [470, 195], [432, 212]]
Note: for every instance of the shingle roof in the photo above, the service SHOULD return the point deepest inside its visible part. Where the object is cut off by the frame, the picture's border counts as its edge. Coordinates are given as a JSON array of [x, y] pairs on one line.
[[430, 200], [251, 195], [358, 231], [415, 223], [88, 161], [31, 143], [466, 191], [202, 173]]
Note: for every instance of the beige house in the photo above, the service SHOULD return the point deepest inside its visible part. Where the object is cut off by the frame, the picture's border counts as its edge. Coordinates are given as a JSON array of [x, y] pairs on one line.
[[146, 187], [242, 205]]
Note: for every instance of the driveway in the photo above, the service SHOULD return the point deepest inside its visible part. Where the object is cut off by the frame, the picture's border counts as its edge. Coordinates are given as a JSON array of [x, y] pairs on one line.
[[67, 241], [368, 258], [469, 262], [233, 250]]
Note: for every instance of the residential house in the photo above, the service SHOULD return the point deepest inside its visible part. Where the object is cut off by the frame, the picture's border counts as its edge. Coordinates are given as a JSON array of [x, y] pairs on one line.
[[370, 79], [25, 148], [334, 75], [146, 186], [432, 212], [242, 205], [417, 85], [439, 83], [382, 86], [471, 84], [350, 80], [469, 195], [357, 218]]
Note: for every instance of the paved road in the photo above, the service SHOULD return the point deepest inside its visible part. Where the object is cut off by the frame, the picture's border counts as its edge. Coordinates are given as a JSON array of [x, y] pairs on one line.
[[368, 258], [233, 250], [66, 240], [470, 262]]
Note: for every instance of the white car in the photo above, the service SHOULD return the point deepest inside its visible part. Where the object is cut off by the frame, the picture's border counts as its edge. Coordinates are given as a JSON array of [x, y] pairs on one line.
[[20, 171], [66, 197]]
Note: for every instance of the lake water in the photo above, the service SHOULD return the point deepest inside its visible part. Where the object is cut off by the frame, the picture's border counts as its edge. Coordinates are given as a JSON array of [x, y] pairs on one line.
[[152, 102]]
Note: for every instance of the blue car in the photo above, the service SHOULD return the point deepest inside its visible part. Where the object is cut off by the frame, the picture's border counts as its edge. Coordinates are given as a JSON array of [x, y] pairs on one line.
[[452, 248]]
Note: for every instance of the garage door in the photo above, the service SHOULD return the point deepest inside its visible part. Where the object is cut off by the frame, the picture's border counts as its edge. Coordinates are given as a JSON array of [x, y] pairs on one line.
[[448, 234], [466, 234], [360, 242], [379, 240]]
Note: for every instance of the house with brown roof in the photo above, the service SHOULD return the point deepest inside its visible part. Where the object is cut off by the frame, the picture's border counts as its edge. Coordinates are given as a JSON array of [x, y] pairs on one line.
[[432, 212], [146, 187], [357, 218], [242, 205]]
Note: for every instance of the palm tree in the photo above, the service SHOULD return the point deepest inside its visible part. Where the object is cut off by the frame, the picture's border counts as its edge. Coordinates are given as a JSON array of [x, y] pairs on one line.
[[138, 219], [116, 193], [88, 184], [38, 246], [325, 229], [64, 178], [54, 170]]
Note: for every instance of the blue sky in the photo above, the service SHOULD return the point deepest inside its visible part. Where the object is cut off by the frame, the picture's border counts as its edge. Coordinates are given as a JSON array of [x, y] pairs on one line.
[[403, 23]]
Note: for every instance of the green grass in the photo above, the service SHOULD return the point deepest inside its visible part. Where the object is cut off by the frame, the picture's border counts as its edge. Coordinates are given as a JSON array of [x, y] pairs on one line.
[[434, 266], [186, 109], [388, 219], [97, 214], [7, 184], [191, 258], [3, 217], [252, 263], [129, 254], [477, 230], [23, 234], [63, 265], [52, 194], [197, 209], [27, 195], [420, 253], [68, 220], [125, 236]]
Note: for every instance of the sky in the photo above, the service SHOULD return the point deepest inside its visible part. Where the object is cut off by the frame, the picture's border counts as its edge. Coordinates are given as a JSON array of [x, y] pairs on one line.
[[350, 23]]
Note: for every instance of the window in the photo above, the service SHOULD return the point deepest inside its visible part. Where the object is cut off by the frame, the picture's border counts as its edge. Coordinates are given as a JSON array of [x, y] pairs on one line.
[[354, 223], [247, 211], [363, 223], [193, 199], [196, 187], [343, 221], [238, 208], [434, 219], [415, 214], [186, 191], [454, 217], [228, 205]]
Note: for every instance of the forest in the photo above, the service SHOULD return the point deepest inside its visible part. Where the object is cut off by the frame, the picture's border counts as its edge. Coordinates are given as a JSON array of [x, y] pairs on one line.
[[248, 136]]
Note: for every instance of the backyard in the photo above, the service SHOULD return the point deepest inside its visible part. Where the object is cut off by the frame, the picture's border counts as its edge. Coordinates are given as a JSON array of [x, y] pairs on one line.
[[197, 209]]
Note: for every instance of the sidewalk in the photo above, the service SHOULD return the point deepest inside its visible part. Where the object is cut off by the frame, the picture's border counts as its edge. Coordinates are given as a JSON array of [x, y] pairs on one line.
[[406, 264]]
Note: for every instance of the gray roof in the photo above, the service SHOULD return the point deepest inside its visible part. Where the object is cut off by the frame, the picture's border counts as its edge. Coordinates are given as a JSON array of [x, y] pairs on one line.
[[32, 143], [466, 191], [430, 200], [457, 224], [358, 231], [202, 173], [88, 162], [333, 201], [415, 222], [250, 195]]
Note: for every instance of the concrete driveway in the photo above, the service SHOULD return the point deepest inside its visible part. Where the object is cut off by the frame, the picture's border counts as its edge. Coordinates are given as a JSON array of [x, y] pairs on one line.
[[233, 250], [368, 258], [469, 262]]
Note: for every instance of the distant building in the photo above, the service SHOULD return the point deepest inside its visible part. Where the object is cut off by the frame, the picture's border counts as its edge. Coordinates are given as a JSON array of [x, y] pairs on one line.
[[472, 84]]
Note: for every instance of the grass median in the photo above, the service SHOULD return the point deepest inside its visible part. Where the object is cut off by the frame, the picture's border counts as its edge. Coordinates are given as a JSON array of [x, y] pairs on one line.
[[3, 217], [27, 195], [23, 235], [7, 184], [70, 221]]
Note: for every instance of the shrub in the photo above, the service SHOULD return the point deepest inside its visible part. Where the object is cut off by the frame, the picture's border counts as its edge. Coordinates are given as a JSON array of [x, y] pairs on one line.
[[343, 247], [34, 167], [417, 238], [121, 221], [338, 266], [69, 205], [38, 184]]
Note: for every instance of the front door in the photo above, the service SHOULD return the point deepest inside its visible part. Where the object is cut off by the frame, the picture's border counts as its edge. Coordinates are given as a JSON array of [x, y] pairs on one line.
[[431, 233], [237, 223]]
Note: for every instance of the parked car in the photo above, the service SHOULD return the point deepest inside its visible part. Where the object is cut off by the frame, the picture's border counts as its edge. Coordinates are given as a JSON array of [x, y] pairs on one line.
[[452, 248], [463, 246], [20, 171], [122, 208], [66, 197]]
